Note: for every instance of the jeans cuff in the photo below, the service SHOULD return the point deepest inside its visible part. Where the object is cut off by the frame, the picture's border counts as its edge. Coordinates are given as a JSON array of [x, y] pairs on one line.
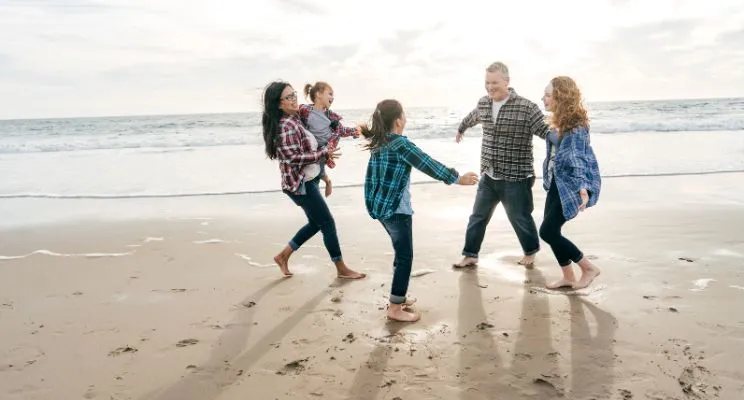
[[578, 258], [293, 245], [532, 253], [337, 259], [565, 264], [397, 299], [468, 254]]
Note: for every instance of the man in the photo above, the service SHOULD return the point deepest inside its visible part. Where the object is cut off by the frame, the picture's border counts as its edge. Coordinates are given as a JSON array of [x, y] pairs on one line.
[[509, 121]]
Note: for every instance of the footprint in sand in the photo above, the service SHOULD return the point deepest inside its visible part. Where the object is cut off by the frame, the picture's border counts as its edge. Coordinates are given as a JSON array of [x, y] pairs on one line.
[[122, 350], [187, 342], [295, 367]]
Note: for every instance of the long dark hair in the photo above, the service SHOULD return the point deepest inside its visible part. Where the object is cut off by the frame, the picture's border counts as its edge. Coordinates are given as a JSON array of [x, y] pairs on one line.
[[272, 97], [383, 119]]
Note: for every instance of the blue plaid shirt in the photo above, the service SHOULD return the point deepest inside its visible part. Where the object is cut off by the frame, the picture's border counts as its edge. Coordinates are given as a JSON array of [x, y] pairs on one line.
[[575, 167], [389, 171]]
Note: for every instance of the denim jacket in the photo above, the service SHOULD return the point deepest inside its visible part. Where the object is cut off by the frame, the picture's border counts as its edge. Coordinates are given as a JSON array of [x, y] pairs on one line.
[[575, 167]]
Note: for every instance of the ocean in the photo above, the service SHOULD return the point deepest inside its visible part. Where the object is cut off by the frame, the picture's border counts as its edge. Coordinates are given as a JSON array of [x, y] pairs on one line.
[[220, 154]]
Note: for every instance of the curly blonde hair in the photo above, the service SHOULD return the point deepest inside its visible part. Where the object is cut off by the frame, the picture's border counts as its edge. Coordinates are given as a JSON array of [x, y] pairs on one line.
[[568, 108]]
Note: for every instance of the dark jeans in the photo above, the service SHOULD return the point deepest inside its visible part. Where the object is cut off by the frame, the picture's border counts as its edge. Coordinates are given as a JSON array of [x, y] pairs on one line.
[[319, 219], [517, 199], [550, 230], [400, 229]]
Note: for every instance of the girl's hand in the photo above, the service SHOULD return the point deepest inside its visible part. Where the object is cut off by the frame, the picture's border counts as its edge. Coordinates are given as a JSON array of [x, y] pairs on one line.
[[470, 178]]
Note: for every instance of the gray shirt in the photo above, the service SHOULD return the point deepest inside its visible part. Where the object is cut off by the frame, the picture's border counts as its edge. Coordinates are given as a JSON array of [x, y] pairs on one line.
[[555, 141], [319, 125], [405, 202]]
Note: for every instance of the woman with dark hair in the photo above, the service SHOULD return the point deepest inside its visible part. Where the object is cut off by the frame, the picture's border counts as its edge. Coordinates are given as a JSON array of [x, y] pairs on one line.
[[387, 192], [571, 177], [288, 141], [324, 124]]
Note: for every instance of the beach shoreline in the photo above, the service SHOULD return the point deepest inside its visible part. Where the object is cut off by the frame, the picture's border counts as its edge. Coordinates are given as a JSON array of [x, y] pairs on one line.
[[178, 299]]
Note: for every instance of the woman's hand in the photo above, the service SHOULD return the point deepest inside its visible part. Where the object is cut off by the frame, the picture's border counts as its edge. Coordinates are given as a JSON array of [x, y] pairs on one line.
[[334, 153], [470, 178]]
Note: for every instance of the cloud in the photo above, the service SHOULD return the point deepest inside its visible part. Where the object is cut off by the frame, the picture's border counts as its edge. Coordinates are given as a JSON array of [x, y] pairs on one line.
[[91, 57], [664, 60], [733, 39], [302, 6]]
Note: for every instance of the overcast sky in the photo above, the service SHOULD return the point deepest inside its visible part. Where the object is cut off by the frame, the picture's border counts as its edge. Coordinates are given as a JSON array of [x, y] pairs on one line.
[[116, 57]]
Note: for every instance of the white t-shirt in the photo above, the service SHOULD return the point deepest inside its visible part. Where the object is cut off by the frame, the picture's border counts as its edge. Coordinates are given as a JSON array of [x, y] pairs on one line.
[[495, 108], [311, 171]]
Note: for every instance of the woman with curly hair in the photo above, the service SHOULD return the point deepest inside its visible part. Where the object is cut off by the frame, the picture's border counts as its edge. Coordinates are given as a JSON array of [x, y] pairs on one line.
[[571, 177]]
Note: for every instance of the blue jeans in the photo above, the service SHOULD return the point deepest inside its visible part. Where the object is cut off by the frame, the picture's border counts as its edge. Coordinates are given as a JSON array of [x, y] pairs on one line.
[[517, 199], [319, 218], [400, 229]]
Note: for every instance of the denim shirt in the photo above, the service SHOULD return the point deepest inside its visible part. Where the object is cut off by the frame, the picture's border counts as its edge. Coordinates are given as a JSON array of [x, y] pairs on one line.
[[575, 167]]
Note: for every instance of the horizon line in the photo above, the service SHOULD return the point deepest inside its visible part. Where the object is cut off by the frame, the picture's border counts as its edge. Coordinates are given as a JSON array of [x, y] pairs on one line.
[[175, 114]]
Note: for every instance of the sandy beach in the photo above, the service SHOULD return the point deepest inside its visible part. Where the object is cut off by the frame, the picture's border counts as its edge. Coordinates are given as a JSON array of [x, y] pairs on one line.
[[164, 299]]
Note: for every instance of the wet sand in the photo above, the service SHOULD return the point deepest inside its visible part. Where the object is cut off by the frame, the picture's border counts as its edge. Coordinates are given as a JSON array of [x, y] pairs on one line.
[[189, 306]]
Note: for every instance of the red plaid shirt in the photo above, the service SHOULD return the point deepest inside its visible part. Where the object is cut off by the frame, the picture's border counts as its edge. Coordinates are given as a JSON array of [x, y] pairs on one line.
[[339, 131], [295, 151]]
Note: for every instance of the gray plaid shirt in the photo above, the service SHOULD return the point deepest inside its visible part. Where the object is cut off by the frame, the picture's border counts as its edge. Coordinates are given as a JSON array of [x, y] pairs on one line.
[[506, 150]]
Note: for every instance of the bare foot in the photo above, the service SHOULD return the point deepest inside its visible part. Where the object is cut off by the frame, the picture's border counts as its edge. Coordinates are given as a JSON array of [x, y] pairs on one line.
[[466, 262], [409, 301], [527, 261], [395, 312], [283, 262], [560, 283], [345, 272], [587, 276]]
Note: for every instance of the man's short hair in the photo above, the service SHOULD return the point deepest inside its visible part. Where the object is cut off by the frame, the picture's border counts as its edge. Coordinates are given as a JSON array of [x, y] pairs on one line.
[[498, 66]]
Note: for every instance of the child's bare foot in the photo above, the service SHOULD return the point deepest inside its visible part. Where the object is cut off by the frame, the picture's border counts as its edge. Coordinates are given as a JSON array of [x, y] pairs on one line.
[[283, 263], [560, 283], [587, 276], [395, 312], [466, 262], [345, 272]]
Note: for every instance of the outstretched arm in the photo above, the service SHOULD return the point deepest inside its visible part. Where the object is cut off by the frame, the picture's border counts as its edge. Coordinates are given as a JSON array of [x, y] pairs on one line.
[[348, 131], [538, 126], [339, 129], [469, 121], [418, 159]]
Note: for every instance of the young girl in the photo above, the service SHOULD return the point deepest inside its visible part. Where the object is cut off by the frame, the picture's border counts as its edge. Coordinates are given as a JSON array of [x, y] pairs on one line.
[[571, 177], [387, 192], [324, 124]]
